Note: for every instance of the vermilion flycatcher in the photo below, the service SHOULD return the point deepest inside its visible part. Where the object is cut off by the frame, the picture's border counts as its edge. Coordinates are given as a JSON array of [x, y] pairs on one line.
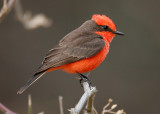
[[82, 50]]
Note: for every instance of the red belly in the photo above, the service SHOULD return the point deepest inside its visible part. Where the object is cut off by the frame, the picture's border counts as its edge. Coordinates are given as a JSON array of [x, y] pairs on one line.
[[87, 64]]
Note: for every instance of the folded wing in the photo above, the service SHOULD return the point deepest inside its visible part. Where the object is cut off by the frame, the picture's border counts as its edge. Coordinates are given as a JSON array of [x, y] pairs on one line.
[[66, 52]]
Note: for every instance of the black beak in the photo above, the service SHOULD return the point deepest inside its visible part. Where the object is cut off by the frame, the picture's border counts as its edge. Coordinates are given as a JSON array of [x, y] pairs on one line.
[[118, 32]]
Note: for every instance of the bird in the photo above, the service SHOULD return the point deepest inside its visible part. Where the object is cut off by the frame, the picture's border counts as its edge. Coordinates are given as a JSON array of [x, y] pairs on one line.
[[80, 51]]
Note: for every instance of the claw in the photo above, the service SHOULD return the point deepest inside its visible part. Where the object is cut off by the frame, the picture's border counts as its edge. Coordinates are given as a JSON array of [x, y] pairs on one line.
[[84, 78]]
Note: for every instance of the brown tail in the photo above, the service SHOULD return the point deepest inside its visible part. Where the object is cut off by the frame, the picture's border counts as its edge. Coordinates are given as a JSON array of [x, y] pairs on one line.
[[31, 81]]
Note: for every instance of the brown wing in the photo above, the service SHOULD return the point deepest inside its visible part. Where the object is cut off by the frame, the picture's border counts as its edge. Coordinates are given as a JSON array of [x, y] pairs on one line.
[[79, 48]]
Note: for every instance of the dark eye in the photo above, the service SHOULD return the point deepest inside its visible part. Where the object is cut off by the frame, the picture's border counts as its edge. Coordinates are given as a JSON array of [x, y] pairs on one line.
[[105, 27]]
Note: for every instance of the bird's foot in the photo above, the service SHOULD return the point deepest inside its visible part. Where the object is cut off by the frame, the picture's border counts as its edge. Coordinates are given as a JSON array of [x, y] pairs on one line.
[[84, 78]]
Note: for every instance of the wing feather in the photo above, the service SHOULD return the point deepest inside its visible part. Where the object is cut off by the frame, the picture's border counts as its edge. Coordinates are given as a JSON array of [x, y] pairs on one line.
[[78, 48]]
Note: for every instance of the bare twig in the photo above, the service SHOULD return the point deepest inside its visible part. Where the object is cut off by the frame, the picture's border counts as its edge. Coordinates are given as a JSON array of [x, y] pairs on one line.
[[29, 104], [29, 21], [95, 111], [7, 6], [110, 110], [61, 104], [89, 107], [6, 110], [89, 91]]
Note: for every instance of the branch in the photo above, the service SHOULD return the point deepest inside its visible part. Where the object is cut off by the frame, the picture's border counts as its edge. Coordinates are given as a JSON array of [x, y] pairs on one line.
[[60, 98], [29, 104], [89, 106], [110, 110], [89, 93], [7, 6], [6, 110], [30, 21]]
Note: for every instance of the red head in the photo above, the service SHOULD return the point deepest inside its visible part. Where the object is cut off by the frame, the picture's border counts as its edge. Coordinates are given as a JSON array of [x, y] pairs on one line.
[[107, 24]]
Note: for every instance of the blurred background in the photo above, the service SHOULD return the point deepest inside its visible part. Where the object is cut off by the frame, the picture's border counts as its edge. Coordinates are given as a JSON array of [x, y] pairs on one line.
[[130, 75]]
